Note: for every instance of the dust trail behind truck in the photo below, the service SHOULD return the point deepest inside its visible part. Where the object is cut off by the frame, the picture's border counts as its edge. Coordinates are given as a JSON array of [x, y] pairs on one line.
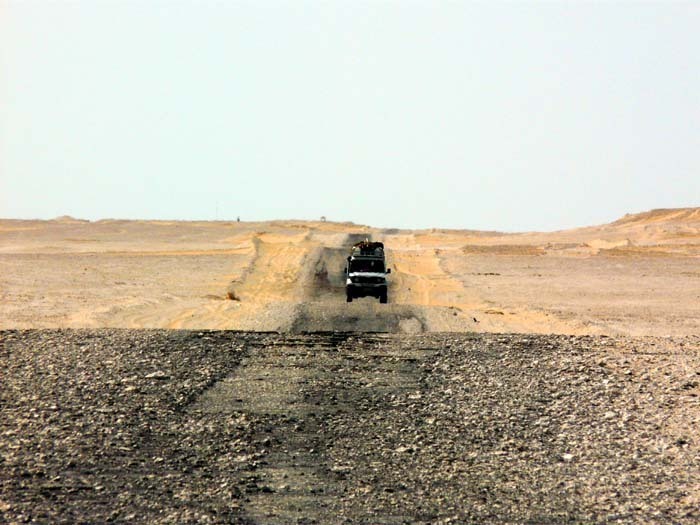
[[366, 271]]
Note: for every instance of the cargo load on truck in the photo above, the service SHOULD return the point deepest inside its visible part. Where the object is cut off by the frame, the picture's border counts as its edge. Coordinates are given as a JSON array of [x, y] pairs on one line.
[[366, 271], [368, 248]]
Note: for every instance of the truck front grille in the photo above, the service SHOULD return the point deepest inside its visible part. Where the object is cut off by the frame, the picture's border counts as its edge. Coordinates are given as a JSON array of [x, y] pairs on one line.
[[368, 280]]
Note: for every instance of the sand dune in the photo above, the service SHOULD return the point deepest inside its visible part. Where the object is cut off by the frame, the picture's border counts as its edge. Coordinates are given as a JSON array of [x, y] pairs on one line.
[[637, 275]]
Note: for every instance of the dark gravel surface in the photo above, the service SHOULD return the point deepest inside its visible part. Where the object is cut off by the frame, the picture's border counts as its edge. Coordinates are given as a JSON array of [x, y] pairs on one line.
[[148, 426]]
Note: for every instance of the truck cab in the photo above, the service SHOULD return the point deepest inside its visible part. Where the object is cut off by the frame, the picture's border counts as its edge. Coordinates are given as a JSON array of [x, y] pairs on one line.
[[366, 272]]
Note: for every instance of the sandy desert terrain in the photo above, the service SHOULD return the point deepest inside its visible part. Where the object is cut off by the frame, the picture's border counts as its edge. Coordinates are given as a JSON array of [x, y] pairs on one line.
[[512, 378], [639, 275]]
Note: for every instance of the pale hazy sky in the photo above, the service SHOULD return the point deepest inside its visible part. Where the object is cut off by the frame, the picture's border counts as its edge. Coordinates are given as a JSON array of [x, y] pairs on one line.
[[512, 116]]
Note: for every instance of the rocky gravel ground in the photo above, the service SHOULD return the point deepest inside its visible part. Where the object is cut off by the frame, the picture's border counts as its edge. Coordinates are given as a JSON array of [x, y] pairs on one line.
[[513, 429], [148, 426]]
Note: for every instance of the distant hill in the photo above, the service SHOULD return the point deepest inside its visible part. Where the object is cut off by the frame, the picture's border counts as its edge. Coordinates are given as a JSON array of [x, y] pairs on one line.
[[677, 230], [660, 216], [69, 219]]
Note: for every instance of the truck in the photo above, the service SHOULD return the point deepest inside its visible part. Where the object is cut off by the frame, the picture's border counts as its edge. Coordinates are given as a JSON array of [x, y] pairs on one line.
[[366, 271]]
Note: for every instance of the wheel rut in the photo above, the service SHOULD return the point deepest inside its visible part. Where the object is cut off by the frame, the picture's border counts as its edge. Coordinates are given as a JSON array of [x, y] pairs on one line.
[[325, 309], [294, 386], [339, 427]]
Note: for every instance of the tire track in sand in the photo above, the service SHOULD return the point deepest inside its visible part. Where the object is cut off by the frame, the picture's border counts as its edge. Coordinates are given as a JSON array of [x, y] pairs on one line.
[[267, 290], [447, 305], [325, 308]]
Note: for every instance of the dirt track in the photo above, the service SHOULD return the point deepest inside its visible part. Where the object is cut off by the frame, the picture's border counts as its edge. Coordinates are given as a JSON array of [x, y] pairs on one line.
[[316, 410]]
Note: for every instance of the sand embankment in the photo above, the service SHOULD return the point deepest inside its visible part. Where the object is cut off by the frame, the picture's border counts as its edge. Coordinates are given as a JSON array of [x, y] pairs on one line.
[[638, 275]]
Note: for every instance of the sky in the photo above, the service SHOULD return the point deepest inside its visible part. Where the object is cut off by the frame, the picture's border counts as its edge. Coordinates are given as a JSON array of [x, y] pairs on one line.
[[511, 116]]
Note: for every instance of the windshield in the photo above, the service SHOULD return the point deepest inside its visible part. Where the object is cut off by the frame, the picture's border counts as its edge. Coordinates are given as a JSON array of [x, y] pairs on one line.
[[366, 265]]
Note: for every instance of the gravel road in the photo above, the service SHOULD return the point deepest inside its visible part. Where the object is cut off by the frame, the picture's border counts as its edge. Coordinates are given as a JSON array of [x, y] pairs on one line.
[[149, 426]]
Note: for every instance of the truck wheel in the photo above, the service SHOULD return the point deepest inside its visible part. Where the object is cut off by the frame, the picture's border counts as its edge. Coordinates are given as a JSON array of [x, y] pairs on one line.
[[348, 298], [383, 298]]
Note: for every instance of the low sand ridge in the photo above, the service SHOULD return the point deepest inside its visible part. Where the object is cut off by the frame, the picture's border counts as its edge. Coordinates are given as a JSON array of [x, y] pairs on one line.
[[637, 275]]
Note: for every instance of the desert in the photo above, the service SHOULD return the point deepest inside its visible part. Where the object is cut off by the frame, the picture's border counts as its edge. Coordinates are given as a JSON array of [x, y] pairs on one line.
[[335, 262], [636, 276], [212, 372]]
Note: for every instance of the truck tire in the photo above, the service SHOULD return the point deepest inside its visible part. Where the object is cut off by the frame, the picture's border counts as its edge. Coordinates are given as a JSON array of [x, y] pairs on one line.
[[383, 297], [348, 297]]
